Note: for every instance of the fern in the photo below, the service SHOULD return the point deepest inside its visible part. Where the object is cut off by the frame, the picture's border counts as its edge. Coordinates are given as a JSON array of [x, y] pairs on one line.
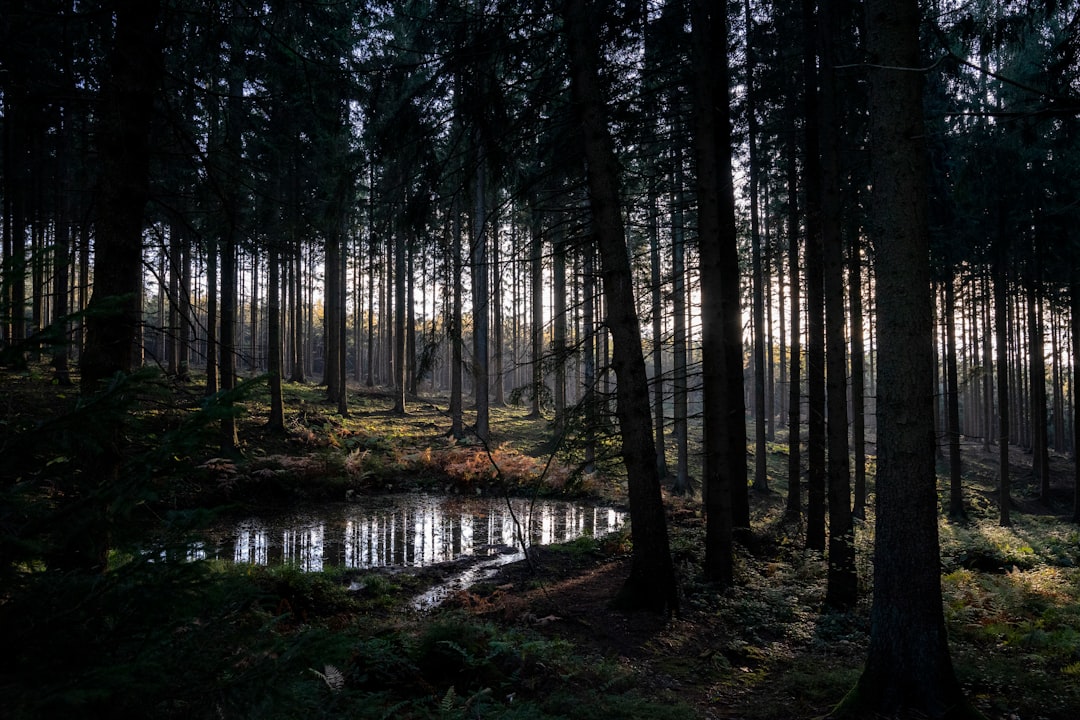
[[446, 705], [332, 676]]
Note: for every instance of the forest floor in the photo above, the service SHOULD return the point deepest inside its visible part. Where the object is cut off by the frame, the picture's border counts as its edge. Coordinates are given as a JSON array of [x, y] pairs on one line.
[[540, 640]]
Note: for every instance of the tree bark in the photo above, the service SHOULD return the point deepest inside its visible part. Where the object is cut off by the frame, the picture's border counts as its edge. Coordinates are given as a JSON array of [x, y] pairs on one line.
[[1074, 311], [124, 153], [952, 401], [651, 584], [815, 291], [478, 264], [761, 478], [1001, 338], [722, 412], [908, 669], [842, 589], [793, 507]]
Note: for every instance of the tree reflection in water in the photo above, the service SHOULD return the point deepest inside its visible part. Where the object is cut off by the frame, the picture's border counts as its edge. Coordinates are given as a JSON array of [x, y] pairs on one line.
[[410, 531]]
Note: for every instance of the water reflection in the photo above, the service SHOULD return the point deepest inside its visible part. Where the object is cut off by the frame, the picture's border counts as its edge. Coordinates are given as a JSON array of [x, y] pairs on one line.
[[411, 530]]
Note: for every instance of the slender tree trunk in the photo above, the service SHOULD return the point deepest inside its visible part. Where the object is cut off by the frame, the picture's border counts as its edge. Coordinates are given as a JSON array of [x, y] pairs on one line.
[[793, 508], [399, 321], [253, 310], [657, 331], [275, 423], [680, 408], [842, 578], [1074, 312], [651, 584], [478, 261], [331, 310], [858, 374], [815, 292], [588, 347], [536, 307], [559, 349], [410, 318], [988, 364], [1040, 450], [761, 478], [1001, 338], [457, 426], [952, 401], [499, 389]]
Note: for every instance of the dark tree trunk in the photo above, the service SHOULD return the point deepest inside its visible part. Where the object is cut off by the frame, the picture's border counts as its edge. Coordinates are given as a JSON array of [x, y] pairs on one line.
[[952, 401], [457, 426], [399, 321], [1001, 338], [761, 478], [908, 670], [651, 584], [478, 260], [858, 375], [559, 348], [842, 579], [793, 508], [536, 306], [815, 291], [1040, 448], [112, 323], [722, 472], [123, 150], [682, 482], [1074, 311], [657, 331], [211, 315], [276, 421]]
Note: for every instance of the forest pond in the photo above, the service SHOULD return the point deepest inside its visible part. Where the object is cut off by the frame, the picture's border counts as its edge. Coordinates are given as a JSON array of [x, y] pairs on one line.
[[409, 530]]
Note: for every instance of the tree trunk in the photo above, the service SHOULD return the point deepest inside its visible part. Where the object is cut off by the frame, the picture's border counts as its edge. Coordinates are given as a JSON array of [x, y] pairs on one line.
[[497, 340], [559, 349], [1040, 449], [536, 307], [952, 401], [657, 331], [457, 426], [715, 230], [761, 478], [123, 136], [908, 669], [1074, 311], [112, 321], [651, 584], [815, 300], [1001, 338], [858, 374], [682, 484], [276, 421], [399, 321], [793, 506], [478, 259], [842, 579]]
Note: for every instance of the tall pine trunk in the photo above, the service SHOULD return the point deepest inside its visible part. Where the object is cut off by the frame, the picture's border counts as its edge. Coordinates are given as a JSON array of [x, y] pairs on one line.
[[651, 584], [716, 230], [908, 670]]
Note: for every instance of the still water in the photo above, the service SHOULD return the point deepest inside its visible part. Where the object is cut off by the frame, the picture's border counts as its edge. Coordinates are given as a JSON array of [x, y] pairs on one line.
[[407, 531]]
